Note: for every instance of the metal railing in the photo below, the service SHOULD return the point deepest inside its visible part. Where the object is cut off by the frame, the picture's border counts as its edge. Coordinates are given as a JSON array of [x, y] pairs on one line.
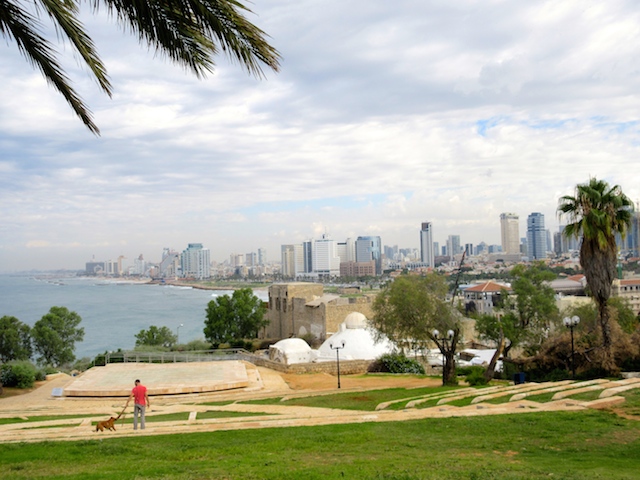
[[178, 357]]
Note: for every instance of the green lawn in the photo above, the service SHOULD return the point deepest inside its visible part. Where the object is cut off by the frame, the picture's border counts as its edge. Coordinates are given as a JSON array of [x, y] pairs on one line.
[[566, 445], [365, 400]]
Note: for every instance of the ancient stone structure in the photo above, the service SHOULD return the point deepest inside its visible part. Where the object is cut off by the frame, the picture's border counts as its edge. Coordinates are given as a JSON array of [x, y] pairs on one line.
[[298, 309]]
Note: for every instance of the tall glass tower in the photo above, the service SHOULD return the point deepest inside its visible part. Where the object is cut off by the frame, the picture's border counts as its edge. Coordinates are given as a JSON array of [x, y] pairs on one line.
[[536, 237], [426, 245]]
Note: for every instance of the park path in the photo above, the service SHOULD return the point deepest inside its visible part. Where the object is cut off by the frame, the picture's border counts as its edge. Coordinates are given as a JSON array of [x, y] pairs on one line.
[[264, 383]]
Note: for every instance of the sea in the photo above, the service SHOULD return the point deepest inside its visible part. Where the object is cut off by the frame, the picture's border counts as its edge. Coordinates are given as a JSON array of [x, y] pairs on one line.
[[112, 311]]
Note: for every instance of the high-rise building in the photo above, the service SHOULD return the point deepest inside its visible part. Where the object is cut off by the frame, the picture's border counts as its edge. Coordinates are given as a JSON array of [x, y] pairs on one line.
[[288, 261], [468, 249], [325, 259], [368, 249], [536, 237], [170, 264], [262, 256], [307, 257], [510, 233], [347, 250], [426, 245], [453, 245], [195, 262]]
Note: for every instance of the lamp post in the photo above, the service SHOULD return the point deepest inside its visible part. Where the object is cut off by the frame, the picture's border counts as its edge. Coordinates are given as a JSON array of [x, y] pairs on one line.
[[178, 333], [337, 349], [570, 323]]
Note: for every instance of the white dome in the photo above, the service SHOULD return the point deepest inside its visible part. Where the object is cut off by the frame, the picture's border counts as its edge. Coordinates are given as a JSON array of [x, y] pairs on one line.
[[359, 344], [290, 350], [355, 320]]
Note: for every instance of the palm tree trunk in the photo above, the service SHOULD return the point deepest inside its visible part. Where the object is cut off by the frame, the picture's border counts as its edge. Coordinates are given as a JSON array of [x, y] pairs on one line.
[[608, 359]]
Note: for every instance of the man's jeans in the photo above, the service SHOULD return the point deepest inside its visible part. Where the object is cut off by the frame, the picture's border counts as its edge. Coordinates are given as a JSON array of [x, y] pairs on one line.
[[138, 410]]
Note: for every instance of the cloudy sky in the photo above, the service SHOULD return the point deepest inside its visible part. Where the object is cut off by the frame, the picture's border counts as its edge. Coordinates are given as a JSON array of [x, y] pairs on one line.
[[384, 115]]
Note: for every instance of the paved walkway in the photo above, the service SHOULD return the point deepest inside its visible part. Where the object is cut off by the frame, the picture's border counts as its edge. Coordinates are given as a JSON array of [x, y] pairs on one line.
[[262, 383]]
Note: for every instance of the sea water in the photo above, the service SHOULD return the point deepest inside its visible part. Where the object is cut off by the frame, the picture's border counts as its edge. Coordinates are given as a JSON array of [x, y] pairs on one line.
[[112, 312]]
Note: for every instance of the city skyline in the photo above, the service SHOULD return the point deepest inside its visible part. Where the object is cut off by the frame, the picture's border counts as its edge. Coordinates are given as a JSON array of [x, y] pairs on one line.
[[384, 116]]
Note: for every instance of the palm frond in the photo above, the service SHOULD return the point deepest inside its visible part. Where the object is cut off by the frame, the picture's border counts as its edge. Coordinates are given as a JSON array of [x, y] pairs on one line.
[[18, 24], [64, 14], [191, 32]]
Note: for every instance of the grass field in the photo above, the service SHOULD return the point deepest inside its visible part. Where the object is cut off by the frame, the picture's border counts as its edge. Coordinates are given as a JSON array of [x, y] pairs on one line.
[[567, 445], [576, 445]]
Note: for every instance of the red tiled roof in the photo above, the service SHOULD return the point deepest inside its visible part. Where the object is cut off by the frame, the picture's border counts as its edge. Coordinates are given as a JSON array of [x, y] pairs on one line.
[[576, 278], [630, 281]]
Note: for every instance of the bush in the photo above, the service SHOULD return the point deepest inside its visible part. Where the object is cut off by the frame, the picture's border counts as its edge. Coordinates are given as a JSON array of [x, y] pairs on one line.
[[396, 363], [311, 340], [18, 374], [476, 377]]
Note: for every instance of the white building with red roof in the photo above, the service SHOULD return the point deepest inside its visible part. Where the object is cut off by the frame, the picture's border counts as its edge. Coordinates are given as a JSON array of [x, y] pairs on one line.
[[482, 298]]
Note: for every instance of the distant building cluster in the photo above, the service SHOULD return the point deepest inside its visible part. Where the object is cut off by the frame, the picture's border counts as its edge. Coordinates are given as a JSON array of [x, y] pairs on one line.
[[325, 258]]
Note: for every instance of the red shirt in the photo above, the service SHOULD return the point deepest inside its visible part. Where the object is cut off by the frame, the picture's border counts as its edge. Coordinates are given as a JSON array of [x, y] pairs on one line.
[[139, 392]]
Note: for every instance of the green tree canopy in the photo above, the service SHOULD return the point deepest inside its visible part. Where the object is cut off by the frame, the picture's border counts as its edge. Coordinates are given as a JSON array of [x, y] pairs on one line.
[[190, 33], [15, 340], [55, 335], [410, 309], [533, 301], [526, 316], [234, 317], [597, 213], [156, 337]]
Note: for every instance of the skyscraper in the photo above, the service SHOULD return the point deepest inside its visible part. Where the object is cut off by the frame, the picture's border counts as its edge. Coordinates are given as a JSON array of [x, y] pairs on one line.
[[195, 261], [426, 245], [368, 249], [453, 245], [325, 259], [510, 233], [536, 237]]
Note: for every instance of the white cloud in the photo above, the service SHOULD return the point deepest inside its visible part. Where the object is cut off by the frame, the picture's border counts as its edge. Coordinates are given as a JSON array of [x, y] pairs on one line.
[[384, 115]]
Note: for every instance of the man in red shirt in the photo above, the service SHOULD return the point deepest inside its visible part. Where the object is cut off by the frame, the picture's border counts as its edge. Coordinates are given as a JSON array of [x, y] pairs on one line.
[[141, 399]]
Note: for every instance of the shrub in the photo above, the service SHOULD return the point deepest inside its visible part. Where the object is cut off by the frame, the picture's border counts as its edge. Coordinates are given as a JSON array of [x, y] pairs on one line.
[[311, 339], [397, 363], [476, 377], [18, 374]]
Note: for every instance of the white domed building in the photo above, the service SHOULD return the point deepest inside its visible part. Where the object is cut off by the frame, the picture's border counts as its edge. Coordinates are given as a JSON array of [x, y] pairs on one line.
[[358, 339], [291, 350]]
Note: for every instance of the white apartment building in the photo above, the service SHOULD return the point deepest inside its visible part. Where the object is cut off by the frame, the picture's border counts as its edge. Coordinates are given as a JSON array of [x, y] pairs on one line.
[[510, 233], [195, 262]]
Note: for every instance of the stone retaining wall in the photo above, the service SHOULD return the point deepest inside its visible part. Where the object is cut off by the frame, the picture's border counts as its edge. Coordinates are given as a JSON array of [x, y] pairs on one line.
[[347, 367]]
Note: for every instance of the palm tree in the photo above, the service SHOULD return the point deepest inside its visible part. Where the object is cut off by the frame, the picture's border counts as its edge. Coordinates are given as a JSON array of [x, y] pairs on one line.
[[597, 213], [189, 32]]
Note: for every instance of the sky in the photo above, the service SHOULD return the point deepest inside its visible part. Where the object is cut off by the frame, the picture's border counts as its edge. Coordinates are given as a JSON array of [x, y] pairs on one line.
[[384, 115]]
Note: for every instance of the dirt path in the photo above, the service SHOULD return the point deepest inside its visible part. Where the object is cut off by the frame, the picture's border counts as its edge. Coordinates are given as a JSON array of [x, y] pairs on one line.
[[264, 383]]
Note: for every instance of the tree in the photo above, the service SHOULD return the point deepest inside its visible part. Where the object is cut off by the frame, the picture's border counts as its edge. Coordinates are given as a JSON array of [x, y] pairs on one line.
[[191, 33], [598, 213], [412, 312], [156, 337], [234, 317], [15, 340], [527, 315], [55, 335]]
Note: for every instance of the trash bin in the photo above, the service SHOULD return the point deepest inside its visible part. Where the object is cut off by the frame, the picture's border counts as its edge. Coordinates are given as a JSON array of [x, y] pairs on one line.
[[518, 378]]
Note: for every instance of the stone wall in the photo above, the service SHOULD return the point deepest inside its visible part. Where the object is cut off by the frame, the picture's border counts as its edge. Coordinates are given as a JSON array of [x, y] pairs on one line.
[[338, 310], [347, 367], [289, 314]]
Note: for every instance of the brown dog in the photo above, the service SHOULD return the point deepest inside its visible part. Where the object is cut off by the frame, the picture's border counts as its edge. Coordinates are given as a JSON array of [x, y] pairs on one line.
[[108, 424]]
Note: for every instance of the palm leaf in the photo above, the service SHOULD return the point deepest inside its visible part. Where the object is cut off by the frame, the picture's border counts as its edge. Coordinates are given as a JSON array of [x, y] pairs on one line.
[[23, 28]]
